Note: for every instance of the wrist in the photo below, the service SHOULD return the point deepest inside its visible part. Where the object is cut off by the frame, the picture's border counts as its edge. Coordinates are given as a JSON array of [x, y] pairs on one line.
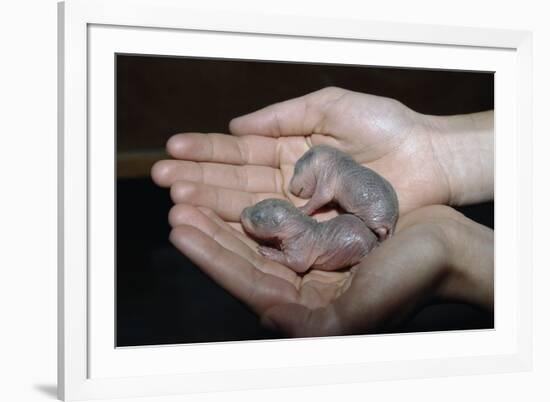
[[463, 147]]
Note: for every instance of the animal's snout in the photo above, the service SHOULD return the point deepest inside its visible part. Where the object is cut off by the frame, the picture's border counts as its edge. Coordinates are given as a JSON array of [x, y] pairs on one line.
[[245, 215], [253, 216]]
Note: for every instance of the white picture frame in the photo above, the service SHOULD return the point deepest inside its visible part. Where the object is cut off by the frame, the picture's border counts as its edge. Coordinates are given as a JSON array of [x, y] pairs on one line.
[[90, 367]]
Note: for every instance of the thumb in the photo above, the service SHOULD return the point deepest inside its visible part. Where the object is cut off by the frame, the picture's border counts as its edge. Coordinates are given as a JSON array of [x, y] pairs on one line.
[[298, 321], [298, 116]]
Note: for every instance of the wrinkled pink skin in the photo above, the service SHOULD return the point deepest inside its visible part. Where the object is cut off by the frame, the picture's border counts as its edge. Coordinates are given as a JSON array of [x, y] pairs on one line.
[[325, 175], [298, 241]]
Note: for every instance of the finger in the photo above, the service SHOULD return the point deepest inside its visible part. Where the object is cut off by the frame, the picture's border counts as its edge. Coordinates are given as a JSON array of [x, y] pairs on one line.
[[231, 271], [245, 178], [224, 148], [298, 116], [207, 221], [299, 321], [228, 204], [234, 227]]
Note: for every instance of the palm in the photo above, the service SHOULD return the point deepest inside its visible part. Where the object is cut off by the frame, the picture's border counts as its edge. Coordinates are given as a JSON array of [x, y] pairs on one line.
[[379, 133], [313, 290], [385, 135]]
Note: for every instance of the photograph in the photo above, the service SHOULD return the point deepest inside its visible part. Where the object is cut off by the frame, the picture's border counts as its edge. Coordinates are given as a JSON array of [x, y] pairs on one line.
[[260, 200]]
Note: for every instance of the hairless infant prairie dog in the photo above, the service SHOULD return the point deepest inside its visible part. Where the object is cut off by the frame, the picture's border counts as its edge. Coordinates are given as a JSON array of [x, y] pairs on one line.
[[300, 242], [325, 174]]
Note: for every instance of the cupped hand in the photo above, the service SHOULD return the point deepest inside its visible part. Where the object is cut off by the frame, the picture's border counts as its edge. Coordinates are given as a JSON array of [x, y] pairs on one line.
[[231, 258], [228, 173], [422, 262]]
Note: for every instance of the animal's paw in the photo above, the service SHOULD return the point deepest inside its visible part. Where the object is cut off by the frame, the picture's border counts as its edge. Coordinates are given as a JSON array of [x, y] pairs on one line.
[[269, 252], [382, 233]]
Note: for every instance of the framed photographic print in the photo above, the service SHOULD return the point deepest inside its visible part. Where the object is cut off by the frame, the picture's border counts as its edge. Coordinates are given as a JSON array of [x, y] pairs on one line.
[[166, 286]]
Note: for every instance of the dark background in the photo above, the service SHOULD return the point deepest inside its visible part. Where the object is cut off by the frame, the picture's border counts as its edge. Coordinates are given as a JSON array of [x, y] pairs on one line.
[[161, 297]]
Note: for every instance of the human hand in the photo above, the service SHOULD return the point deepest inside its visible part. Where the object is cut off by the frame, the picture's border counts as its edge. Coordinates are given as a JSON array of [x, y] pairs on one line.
[[436, 254], [422, 156]]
